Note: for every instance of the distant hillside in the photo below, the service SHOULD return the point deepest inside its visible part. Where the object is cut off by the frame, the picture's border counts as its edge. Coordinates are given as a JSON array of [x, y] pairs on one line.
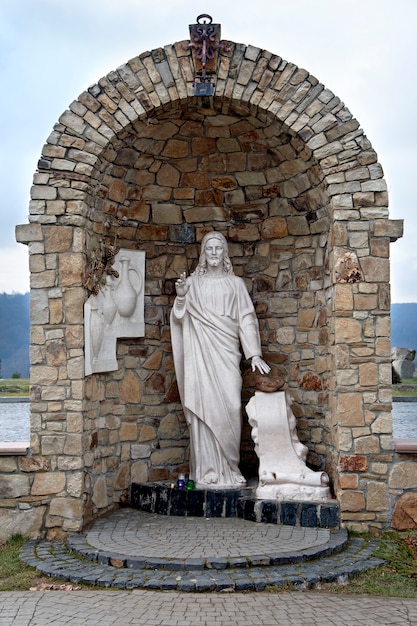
[[14, 334], [404, 325]]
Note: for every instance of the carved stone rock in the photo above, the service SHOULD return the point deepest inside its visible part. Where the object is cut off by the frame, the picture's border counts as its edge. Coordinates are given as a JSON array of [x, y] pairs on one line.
[[283, 474]]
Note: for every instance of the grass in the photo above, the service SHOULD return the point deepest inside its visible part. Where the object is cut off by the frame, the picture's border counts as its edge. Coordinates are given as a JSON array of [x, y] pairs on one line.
[[407, 387], [17, 576], [396, 578], [14, 574], [12, 387]]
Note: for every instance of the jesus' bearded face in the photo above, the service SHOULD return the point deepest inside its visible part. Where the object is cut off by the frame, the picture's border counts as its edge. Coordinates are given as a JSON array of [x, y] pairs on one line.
[[214, 252]]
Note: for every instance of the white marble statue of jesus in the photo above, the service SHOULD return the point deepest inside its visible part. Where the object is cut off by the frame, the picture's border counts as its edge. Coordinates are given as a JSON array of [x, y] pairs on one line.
[[212, 316]]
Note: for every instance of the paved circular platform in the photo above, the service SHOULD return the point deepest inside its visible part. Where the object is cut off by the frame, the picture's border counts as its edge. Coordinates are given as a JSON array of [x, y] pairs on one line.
[[136, 533]]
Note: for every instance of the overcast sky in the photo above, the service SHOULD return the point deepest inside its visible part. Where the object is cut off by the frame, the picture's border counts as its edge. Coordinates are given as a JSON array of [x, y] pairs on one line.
[[365, 51]]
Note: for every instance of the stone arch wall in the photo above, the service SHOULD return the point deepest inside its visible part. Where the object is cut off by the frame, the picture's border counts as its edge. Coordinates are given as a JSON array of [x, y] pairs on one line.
[[277, 163]]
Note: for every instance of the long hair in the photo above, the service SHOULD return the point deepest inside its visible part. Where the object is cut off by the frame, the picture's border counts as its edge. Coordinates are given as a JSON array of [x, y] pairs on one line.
[[202, 263]]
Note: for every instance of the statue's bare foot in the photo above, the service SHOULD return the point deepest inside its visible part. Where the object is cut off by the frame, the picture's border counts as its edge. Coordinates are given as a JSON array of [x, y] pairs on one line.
[[210, 478]]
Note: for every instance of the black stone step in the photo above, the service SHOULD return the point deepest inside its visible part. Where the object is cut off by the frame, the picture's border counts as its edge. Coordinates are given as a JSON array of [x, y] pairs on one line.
[[163, 499], [79, 545], [56, 560]]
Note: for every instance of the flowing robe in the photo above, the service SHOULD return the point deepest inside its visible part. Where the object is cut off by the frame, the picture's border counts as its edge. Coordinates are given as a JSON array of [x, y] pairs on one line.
[[206, 331]]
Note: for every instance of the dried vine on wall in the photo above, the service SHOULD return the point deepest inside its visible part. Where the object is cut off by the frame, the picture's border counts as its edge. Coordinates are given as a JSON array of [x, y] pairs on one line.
[[101, 260]]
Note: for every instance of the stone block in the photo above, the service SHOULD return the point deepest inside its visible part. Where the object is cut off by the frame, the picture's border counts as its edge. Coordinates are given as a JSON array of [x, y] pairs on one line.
[[367, 445], [403, 476], [122, 478], [368, 374], [43, 192], [99, 496], [73, 305], [353, 463], [350, 410], [70, 508], [151, 232], [52, 444], [347, 330], [285, 336], [269, 512], [139, 472], [375, 269], [43, 375], [169, 428], [196, 180], [56, 353], [352, 501], [382, 424], [75, 484], [178, 502], [274, 228], [58, 238], [168, 176], [195, 503], [27, 523], [250, 178], [344, 437], [128, 431], [73, 444], [27, 233], [167, 456], [14, 486], [389, 228], [208, 197], [348, 481], [308, 515], [405, 512], [66, 463], [205, 214], [8, 464], [377, 497], [288, 513], [177, 149], [165, 213], [71, 269], [48, 483], [244, 232], [147, 433], [130, 388]]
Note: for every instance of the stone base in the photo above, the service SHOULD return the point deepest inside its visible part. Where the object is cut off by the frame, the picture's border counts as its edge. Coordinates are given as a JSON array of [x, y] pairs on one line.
[[290, 492], [163, 499]]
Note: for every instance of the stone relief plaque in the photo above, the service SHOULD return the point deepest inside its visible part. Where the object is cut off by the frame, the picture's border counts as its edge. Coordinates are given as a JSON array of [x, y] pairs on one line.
[[117, 311]]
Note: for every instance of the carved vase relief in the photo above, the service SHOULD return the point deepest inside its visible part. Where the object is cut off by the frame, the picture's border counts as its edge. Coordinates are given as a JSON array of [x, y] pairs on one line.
[[117, 311], [126, 294], [109, 304], [96, 330]]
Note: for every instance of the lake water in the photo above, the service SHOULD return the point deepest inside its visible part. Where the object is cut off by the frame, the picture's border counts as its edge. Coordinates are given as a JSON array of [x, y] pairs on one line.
[[14, 420], [404, 417]]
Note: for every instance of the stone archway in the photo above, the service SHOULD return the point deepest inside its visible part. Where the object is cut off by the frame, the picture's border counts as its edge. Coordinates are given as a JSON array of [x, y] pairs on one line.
[[277, 163]]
